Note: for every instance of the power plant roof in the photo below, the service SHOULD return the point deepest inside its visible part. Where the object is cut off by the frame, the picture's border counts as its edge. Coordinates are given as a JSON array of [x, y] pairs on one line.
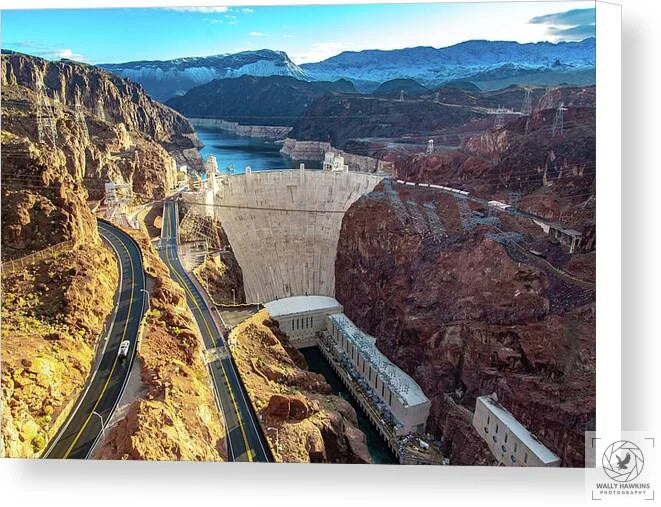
[[301, 304], [397, 380]]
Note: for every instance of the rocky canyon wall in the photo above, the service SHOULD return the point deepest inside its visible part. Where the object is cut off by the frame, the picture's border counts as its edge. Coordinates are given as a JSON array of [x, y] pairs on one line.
[[315, 150], [456, 300], [271, 133], [52, 314], [125, 137], [303, 421]]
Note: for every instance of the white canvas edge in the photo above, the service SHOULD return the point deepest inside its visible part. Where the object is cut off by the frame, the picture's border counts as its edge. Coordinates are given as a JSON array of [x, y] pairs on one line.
[[176, 483]]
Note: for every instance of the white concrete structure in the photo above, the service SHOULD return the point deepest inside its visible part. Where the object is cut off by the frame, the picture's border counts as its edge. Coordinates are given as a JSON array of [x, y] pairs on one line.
[[509, 441], [499, 205], [302, 317], [334, 162], [393, 387], [283, 227], [211, 167]]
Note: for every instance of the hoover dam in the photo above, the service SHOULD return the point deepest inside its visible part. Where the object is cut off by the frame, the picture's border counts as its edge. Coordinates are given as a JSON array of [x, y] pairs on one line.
[[284, 226]]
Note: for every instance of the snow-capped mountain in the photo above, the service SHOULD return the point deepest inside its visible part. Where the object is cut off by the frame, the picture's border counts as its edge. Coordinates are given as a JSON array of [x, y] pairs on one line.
[[490, 64], [164, 79], [479, 59]]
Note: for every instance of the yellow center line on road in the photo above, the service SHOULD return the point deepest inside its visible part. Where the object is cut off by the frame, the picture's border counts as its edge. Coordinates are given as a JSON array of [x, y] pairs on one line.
[[171, 232], [114, 364]]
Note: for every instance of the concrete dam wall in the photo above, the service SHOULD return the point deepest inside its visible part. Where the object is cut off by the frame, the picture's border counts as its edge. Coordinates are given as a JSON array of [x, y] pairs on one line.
[[284, 226]]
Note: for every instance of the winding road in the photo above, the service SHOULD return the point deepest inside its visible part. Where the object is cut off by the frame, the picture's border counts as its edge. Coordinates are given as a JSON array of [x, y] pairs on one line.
[[245, 439], [87, 421]]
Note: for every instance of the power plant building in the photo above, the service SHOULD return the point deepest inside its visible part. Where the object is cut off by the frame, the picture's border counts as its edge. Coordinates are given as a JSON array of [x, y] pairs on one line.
[[302, 317], [393, 387], [509, 441]]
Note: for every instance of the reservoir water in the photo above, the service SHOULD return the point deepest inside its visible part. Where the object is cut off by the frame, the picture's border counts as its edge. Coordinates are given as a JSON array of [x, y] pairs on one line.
[[379, 451], [238, 152]]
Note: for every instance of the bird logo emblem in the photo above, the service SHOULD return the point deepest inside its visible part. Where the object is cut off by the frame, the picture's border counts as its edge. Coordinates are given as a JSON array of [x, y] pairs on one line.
[[623, 461]]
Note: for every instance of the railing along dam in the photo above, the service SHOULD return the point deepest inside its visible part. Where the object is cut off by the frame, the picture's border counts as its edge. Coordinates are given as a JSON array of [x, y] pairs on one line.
[[284, 227]]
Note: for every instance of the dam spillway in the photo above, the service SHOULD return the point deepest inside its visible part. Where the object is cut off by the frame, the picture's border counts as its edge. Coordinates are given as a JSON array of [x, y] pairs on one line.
[[284, 226]]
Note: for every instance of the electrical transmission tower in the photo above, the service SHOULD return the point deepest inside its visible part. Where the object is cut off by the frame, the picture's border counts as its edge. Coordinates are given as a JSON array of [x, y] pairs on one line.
[[46, 123], [401, 95], [200, 229], [514, 198], [559, 120], [430, 147], [499, 121], [526, 106], [547, 100], [79, 116], [118, 198], [100, 111]]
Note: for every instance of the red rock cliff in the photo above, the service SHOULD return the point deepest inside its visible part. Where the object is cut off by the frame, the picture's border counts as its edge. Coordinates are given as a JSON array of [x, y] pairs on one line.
[[456, 300]]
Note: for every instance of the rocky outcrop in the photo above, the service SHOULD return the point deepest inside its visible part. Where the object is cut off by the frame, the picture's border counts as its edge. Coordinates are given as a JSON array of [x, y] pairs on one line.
[[454, 168], [457, 301], [222, 278], [268, 132], [47, 184], [553, 175], [52, 314], [120, 101], [302, 421], [305, 150], [341, 119], [175, 416], [316, 150], [43, 203]]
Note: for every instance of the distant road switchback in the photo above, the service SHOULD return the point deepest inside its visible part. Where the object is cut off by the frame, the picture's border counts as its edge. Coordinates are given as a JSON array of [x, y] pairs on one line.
[[244, 436], [84, 426]]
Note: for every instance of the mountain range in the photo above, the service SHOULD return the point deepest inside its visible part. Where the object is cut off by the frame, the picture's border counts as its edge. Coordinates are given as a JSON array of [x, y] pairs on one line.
[[488, 64], [255, 100], [431, 67], [164, 79]]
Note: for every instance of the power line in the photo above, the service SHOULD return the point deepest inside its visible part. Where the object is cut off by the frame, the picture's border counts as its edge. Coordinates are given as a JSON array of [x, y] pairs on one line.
[[266, 208]]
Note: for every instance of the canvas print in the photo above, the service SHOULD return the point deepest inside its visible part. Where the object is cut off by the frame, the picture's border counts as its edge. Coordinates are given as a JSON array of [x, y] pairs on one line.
[[314, 233]]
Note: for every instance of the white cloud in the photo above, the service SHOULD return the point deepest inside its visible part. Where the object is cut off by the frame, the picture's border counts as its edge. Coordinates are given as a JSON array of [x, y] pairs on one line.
[[198, 9], [257, 34], [320, 51], [575, 24], [247, 10], [69, 54], [43, 51]]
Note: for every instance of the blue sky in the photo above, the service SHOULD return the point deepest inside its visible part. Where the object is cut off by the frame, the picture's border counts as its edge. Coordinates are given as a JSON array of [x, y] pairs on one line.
[[306, 33]]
